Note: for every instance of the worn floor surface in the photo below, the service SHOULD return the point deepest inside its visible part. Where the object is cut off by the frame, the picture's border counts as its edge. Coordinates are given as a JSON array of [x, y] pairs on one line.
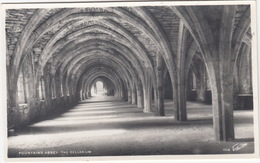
[[105, 126]]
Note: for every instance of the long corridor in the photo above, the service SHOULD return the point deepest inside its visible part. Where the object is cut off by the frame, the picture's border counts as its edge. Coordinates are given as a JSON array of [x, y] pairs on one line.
[[107, 126]]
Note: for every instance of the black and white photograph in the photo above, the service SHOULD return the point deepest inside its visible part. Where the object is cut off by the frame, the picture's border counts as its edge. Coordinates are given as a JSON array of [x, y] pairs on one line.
[[136, 79]]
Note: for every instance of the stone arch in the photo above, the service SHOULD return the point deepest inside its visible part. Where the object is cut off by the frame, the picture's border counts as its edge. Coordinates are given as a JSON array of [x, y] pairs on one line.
[[92, 73], [125, 78]]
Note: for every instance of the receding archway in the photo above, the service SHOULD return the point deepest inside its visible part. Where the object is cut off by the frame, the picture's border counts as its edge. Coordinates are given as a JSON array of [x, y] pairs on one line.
[[98, 89]]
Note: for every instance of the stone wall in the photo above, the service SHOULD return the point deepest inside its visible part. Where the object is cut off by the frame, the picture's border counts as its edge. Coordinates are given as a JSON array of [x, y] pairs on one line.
[[31, 107], [25, 114], [15, 23]]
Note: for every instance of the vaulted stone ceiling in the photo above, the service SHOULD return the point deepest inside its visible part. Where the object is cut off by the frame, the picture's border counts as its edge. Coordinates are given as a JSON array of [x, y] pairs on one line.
[[126, 37], [135, 26], [63, 37]]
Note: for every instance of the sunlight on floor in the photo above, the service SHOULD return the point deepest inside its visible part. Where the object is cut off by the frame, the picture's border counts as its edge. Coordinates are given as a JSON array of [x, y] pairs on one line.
[[107, 126]]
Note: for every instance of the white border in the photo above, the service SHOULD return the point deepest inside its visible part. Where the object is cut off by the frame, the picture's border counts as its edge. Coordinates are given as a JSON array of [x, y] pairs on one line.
[[121, 3], [178, 158]]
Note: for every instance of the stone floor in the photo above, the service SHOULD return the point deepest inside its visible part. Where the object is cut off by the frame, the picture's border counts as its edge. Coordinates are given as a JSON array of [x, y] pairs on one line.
[[106, 126]]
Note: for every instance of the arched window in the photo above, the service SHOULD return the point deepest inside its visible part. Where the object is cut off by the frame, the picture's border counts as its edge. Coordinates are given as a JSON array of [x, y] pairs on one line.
[[100, 87], [245, 70], [97, 88], [61, 90], [42, 89], [193, 84], [21, 89]]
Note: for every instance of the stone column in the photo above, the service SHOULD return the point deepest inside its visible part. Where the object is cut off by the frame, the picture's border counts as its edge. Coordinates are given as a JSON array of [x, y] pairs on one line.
[[159, 87], [95, 87], [147, 95], [129, 99], [181, 74], [133, 96], [155, 98], [83, 95], [80, 95], [139, 96], [200, 71]]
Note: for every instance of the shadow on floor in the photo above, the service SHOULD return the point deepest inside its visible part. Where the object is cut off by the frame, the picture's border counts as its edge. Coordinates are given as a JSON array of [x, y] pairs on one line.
[[129, 124]]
